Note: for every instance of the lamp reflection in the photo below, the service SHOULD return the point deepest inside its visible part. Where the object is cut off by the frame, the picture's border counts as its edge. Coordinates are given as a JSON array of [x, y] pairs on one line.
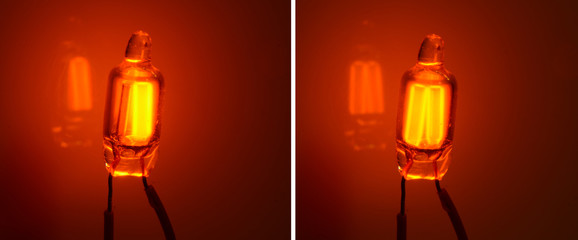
[[74, 97], [365, 88], [366, 101], [79, 85]]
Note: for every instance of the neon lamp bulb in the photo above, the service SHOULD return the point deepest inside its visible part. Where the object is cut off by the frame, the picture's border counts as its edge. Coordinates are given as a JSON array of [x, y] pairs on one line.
[[426, 113], [132, 114]]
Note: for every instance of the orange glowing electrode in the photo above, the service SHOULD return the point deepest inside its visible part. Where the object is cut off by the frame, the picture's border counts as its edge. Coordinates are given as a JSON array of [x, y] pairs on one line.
[[426, 115], [132, 115]]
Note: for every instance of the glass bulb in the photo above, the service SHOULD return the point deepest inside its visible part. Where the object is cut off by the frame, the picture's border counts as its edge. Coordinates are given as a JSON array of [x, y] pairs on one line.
[[132, 114], [425, 120]]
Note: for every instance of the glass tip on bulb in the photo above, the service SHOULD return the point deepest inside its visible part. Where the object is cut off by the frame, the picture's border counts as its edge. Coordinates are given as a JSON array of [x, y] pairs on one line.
[[139, 47], [431, 51]]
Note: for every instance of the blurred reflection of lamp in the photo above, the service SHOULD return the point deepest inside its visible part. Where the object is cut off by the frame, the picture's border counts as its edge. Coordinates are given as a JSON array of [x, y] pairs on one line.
[[366, 98], [425, 126], [79, 84], [365, 88], [132, 123], [74, 90]]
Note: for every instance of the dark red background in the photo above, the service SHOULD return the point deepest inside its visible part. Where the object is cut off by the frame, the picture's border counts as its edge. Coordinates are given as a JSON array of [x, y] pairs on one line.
[[224, 166], [513, 175]]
